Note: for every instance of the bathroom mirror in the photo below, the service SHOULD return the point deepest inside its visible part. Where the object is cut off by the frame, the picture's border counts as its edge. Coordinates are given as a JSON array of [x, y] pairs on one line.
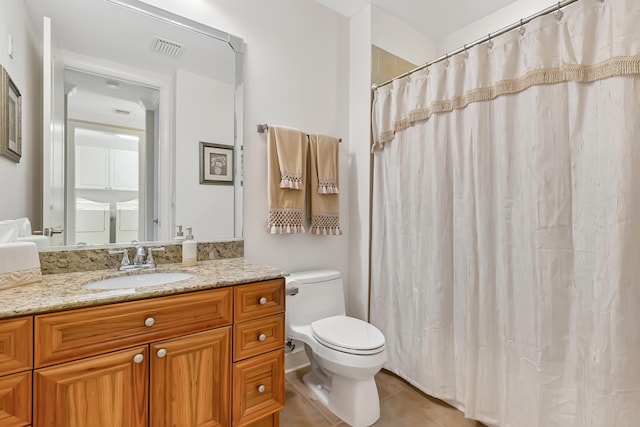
[[130, 93]]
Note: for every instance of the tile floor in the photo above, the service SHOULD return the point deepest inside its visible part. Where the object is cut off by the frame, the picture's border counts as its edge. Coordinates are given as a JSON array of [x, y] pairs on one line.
[[400, 406]]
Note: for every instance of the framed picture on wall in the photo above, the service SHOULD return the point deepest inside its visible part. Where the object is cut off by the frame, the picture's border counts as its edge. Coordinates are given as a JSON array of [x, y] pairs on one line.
[[216, 164], [10, 118]]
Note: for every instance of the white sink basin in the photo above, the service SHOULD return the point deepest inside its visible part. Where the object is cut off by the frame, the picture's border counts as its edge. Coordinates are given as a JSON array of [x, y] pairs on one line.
[[138, 280]]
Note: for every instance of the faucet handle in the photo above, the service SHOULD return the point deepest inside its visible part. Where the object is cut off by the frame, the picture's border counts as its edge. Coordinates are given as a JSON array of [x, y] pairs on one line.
[[150, 251], [125, 257]]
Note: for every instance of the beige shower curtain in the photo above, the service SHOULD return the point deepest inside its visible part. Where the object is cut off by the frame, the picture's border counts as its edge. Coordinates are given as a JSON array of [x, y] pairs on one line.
[[506, 223]]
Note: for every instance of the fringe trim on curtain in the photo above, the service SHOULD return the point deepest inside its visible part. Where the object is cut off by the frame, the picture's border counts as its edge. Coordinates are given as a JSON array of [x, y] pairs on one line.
[[291, 181], [619, 66], [285, 221]]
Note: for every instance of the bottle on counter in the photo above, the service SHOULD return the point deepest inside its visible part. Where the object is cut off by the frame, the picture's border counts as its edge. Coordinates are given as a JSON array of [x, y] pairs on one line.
[[189, 249]]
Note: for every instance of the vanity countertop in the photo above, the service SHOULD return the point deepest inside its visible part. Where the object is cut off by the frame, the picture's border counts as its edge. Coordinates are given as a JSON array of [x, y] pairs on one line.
[[66, 290]]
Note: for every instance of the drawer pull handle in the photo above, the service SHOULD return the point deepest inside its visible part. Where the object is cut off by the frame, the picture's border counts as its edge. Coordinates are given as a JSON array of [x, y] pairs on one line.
[[261, 388], [262, 301], [161, 353], [262, 337], [138, 358], [149, 322]]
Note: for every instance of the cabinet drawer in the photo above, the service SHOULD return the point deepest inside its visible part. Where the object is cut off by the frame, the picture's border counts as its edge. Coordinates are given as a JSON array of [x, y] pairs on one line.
[[259, 300], [272, 420], [16, 344], [76, 334], [258, 336], [15, 400], [258, 387]]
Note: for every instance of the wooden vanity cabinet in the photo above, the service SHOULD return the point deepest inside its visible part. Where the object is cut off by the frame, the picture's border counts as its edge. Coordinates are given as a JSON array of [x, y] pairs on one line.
[[16, 362], [258, 354], [112, 366]]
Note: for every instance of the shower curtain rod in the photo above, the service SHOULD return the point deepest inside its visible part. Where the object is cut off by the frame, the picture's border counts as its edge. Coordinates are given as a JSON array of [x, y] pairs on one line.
[[555, 8]]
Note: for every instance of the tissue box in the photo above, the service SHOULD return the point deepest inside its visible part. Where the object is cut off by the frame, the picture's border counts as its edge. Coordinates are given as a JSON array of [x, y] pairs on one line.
[[19, 264]]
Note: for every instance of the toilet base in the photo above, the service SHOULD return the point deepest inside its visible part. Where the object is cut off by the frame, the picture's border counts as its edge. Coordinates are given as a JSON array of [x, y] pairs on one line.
[[356, 402]]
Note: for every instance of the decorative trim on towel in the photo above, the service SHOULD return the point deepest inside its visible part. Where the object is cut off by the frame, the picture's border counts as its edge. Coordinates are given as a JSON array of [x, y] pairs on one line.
[[292, 181], [285, 221], [327, 187], [325, 224], [19, 278]]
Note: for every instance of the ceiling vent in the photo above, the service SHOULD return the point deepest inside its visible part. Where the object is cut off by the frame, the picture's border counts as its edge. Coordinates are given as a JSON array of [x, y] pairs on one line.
[[121, 112], [167, 47]]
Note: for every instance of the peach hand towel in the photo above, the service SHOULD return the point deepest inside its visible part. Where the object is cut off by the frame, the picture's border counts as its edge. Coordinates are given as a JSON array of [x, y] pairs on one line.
[[286, 148], [324, 198]]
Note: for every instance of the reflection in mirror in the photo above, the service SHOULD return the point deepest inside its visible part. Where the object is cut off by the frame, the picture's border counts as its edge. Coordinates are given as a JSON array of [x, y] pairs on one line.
[[130, 93]]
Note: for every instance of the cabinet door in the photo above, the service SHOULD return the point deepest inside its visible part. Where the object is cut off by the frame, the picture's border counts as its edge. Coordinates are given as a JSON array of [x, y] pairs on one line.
[[15, 400], [190, 380], [103, 391], [123, 170], [92, 167]]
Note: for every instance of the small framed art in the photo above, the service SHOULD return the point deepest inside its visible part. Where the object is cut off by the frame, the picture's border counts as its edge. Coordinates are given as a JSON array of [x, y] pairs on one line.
[[10, 118], [216, 164]]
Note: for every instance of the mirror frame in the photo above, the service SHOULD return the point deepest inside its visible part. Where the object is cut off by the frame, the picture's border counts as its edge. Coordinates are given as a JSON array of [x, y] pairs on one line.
[[166, 167], [168, 162]]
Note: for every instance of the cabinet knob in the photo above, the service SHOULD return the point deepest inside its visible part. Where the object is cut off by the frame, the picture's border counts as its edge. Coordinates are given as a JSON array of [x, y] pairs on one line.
[[262, 301], [138, 358], [261, 388], [262, 337], [149, 322], [161, 353]]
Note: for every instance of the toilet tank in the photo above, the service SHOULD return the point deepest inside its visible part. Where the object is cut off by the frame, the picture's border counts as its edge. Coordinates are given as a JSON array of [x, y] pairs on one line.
[[320, 294]]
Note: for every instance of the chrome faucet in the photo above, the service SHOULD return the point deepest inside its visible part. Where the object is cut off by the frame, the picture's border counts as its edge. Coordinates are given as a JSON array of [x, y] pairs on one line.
[[139, 263]]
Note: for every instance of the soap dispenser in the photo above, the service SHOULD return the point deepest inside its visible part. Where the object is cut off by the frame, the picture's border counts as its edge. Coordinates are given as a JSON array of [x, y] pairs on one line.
[[189, 249], [179, 233]]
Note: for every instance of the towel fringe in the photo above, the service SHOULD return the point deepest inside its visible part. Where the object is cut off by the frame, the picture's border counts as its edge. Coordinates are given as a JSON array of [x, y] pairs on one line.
[[327, 187], [291, 181]]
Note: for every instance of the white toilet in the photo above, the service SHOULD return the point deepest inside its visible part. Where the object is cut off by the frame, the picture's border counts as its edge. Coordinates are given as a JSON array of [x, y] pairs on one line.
[[345, 352]]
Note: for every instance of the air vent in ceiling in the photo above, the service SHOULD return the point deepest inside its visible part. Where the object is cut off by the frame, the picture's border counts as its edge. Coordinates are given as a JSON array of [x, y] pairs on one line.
[[167, 47], [121, 112]]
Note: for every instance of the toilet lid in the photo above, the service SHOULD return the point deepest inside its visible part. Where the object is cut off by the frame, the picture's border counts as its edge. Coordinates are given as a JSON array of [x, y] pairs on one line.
[[348, 335]]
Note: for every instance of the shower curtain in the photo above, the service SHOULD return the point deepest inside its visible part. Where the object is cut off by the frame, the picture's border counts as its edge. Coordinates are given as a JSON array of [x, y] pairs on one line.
[[506, 223]]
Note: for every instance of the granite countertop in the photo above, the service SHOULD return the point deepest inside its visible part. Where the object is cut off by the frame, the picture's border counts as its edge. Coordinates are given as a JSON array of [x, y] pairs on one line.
[[66, 290]]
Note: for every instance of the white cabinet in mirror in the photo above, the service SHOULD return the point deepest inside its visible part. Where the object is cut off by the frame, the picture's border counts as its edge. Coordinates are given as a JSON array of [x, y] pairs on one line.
[[128, 109]]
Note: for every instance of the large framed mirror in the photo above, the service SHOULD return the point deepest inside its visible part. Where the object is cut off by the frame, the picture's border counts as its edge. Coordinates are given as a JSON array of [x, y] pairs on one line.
[[130, 93]]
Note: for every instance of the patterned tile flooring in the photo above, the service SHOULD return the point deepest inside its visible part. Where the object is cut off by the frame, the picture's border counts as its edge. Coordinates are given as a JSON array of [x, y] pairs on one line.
[[400, 406]]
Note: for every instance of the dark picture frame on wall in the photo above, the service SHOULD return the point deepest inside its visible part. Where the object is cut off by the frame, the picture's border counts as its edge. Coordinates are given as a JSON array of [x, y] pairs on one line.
[[10, 118], [216, 164]]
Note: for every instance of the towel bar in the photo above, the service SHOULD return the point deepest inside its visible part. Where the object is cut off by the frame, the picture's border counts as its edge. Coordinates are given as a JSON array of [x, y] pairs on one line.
[[262, 128]]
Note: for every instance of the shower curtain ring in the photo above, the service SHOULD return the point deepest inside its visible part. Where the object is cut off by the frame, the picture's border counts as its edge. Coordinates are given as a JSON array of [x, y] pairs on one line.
[[489, 42], [466, 52], [446, 60], [559, 13], [522, 29]]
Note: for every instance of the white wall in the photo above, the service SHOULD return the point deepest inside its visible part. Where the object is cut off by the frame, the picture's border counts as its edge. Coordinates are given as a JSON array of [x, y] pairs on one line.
[[491, 23], [18, 180], [202, 113], [296, 74], [359, 161], [399, 38]]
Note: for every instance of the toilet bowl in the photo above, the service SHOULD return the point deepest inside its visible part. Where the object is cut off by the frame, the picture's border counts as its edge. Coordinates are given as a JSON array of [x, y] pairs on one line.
[[345, 353]]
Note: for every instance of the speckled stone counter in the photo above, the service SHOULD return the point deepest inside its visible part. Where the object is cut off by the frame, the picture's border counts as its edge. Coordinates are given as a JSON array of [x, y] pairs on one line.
[[66, 291], [73, 258]]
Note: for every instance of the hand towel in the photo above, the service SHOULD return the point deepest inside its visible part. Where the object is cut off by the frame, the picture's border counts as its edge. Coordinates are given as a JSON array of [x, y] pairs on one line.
[[324, 198], [286, 151]]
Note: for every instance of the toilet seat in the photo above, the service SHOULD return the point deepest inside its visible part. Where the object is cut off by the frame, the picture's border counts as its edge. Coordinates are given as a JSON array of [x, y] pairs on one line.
[[348, 335]]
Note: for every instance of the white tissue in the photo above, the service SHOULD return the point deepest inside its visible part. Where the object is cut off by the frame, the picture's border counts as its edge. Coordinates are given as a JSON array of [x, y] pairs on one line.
[[18, 256], [24, 227], [8, 231]]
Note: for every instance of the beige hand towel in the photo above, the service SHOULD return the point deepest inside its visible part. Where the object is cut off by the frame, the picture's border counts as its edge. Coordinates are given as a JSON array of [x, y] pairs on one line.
[[292, 155], [286, 148], [325, 204]]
